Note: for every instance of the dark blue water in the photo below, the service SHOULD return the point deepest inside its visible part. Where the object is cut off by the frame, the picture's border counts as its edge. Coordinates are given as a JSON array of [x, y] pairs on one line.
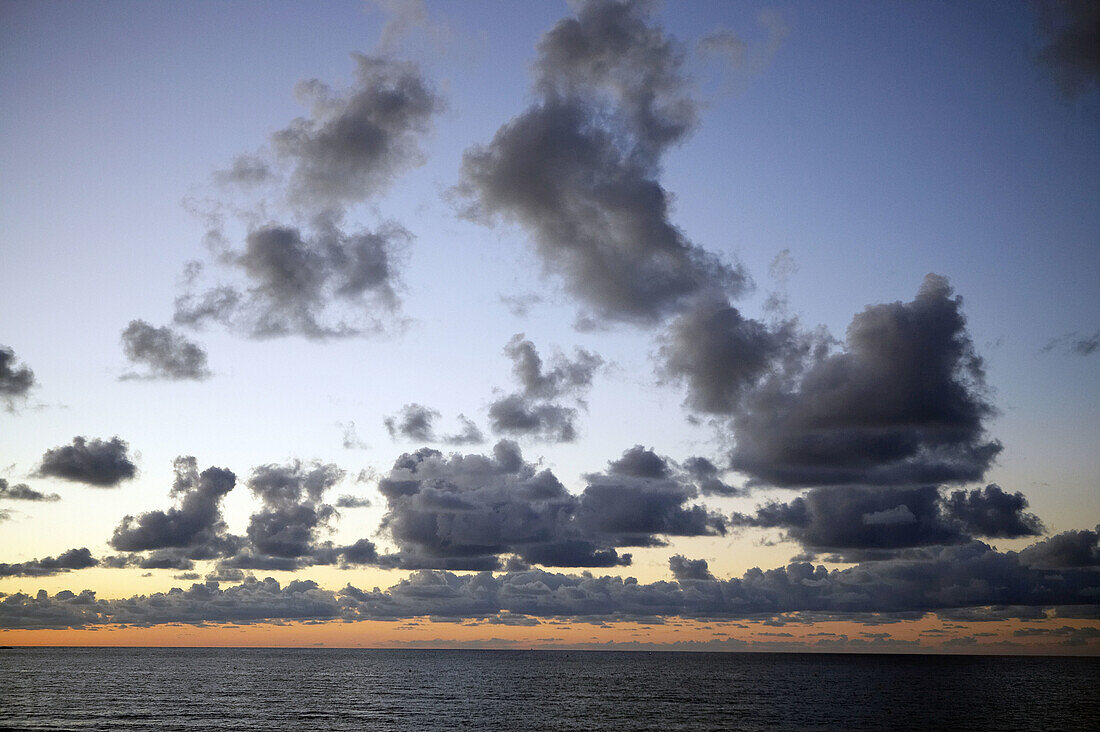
[[325, 689]]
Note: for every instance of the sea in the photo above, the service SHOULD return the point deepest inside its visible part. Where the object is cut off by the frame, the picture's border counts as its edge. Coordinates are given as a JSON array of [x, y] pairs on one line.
[[330, 689]]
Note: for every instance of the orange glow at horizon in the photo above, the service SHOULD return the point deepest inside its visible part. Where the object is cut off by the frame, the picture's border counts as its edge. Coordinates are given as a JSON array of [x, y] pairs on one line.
[[675, 634]]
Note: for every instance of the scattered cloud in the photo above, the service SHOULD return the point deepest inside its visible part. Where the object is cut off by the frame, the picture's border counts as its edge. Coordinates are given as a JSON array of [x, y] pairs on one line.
[[165, 353], [194, 529], [414, 422], [469, 434], [579, 169], [16, 381], [320, 279], [320, 283], [67, 561], [23, 492], [1074, 344], [534, 410], [684, 569], [103, 463], [349, 501]]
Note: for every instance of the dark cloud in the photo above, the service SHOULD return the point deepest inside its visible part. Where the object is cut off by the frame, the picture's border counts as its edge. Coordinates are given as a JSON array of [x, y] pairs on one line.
[[320, 283], [857, 521], [72, 559], [992, 512], [357, 140], [467, 511], [361, 552], [719, 354], [470, 434], [414, 422], [1069, 31], [533, 411], [104, 463], [1065, 550], [324, 280], [970, 581], [706, 476], [904, 403], [579, 169], [250, 602], [194, 526], [165, 353], [1074, 343], [23, 492], [563, 377], [861, 522], [15, 380], [1069, 636], [684, 569], [349, 501], [293, 513], [287, 532]]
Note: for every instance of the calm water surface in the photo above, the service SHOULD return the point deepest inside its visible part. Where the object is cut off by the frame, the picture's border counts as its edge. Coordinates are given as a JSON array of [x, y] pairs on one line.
[[327, 689]]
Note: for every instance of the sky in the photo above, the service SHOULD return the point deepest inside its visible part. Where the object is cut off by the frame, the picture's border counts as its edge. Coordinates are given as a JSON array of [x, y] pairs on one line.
[[694, 326]]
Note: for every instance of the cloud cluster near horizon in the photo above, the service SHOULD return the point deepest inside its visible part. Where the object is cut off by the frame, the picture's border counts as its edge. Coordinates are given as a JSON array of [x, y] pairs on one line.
[[971, 582]]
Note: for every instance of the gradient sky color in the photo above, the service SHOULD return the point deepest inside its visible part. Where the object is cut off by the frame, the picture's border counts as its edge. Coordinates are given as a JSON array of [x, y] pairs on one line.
[[840, 153]]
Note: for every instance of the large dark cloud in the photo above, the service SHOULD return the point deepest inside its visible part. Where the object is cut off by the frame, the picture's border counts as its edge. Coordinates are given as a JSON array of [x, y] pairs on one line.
[[580, 169], [534, 411], [104, 463], [993, 513], [466, 511], [903, 403], [64, 562], [165, 353], [15, 380], [23, 492], [861, 522], [192, 530], [1069, 31], [969, 580], [1066, 550], [323, 282]]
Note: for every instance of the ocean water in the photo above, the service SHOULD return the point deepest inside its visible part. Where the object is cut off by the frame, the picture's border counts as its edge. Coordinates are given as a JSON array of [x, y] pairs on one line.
[[329, 689]]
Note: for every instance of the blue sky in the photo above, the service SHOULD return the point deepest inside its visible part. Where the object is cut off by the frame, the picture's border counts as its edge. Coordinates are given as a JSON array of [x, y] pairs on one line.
[[872, 144]]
